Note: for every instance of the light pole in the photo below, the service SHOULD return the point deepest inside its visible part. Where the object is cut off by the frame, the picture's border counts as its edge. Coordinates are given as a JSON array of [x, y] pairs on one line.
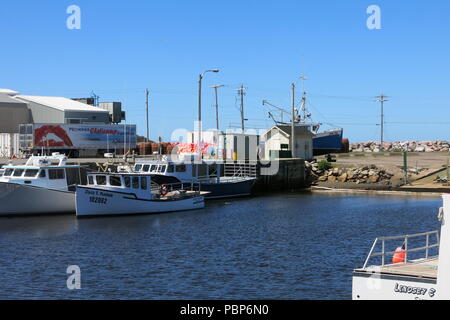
[[217, 103], [199, 147]]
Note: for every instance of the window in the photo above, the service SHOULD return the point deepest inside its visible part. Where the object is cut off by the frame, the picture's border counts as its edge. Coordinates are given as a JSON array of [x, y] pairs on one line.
[[90, 180], [18, 172], [8, 172], [153, 168], [127, 181], [136, 182], [56, 174], [115, 181], [162, 169], [138, 167], [202, 170], [144, 183], [101, 180], [170, 169], [146, 168], [42, 174], [31, 173], [212, 170], [181, 168]]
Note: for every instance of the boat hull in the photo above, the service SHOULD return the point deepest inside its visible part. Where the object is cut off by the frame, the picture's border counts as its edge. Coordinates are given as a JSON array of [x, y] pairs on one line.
[[230, 189], [374, 286], [95, 202], [327, 142], [19, 199]]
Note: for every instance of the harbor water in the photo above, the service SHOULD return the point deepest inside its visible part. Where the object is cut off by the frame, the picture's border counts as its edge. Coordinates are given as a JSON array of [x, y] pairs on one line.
[[282, 246]]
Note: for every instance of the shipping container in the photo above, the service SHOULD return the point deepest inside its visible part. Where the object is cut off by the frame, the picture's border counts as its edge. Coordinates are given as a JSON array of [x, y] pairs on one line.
[[9, 145]]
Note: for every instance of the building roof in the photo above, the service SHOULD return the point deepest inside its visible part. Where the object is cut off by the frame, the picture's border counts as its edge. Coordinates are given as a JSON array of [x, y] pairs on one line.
[[60, 103], [7, 101], [286, 130], [9, 92]]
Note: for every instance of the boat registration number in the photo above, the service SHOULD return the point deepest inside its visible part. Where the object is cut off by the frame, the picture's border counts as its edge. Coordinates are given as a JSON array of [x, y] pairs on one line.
[[99, 200]]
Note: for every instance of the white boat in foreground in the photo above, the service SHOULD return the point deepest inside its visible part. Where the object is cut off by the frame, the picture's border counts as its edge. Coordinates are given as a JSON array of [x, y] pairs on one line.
[[44, 185], [133, 193], [419, 269]]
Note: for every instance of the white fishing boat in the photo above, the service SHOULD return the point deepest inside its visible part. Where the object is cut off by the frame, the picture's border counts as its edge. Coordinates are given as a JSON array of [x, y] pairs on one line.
[[44, 185], [134, 193], [419, 269]]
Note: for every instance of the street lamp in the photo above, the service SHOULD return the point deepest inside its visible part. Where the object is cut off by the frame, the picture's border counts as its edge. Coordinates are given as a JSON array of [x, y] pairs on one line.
[[201, 76]]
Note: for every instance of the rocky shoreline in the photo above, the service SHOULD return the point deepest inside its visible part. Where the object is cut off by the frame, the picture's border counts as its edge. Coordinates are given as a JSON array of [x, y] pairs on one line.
[[370, 177], [409, 146]]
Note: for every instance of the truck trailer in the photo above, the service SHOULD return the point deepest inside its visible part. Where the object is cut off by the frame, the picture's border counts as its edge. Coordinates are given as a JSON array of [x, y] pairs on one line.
[[76, 140]]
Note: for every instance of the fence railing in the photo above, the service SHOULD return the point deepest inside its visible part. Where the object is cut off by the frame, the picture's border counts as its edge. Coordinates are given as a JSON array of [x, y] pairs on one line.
[[408, 249], [240, 170]]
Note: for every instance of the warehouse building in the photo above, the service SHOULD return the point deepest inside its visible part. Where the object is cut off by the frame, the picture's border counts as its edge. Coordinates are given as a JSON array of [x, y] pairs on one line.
[[16, 109], [12, 112], [21, 114], [63, 110]]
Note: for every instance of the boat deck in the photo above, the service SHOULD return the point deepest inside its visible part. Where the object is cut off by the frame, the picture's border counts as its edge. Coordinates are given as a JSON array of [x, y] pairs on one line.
[[423, 268]]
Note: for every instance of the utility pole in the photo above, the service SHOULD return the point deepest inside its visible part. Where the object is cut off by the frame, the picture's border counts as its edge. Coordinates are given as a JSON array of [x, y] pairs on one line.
[[199, 142], [293, 122], [241, 92], [147, 92], [216, 87], [382, 99]]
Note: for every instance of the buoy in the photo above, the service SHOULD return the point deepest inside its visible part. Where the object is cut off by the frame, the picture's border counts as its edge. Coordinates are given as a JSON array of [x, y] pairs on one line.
[[399, 256]]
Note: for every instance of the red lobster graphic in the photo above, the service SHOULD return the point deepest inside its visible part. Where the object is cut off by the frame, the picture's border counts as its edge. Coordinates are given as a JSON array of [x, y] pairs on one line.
[[42, 133]]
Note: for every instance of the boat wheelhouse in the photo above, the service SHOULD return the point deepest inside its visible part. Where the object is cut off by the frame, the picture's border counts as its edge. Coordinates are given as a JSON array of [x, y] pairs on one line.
[[135, 193], [44, 185], [211, 176]]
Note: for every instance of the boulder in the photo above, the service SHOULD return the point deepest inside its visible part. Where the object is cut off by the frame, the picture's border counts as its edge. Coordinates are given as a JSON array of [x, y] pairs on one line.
[[343, 178]]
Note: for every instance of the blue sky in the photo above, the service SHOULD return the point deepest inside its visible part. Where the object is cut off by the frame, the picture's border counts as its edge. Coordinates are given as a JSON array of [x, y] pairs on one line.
[[124, 47]]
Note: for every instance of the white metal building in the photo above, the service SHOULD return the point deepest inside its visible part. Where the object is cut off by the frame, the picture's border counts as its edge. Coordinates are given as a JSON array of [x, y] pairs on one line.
[[278, 138]]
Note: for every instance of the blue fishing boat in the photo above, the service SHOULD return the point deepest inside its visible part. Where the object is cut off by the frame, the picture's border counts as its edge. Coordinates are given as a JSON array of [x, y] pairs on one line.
[[328, 142]]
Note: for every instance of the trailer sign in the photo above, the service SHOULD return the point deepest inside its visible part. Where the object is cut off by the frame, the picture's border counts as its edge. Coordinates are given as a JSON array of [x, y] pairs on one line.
[[66, 136]]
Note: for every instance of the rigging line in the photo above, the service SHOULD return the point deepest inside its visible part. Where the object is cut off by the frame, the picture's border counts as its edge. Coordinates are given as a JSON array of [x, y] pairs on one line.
[[421, 123], [342, 97]]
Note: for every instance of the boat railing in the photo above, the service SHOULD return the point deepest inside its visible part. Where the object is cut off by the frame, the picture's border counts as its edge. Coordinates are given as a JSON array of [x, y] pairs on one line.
[[412, 244], [241, 169]]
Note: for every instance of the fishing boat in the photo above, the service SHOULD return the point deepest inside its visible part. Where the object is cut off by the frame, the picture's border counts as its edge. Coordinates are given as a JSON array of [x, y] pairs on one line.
[[209, 176], [109, 194], [410, 267], [324, 142], [327, 142], [44, 185]]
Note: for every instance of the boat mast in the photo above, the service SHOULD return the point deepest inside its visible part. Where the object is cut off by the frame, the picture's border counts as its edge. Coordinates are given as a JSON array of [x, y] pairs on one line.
[[303, 107]]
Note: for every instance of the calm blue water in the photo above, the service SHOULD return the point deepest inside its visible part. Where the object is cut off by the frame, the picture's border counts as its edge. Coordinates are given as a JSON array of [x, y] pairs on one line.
[[295, 246]]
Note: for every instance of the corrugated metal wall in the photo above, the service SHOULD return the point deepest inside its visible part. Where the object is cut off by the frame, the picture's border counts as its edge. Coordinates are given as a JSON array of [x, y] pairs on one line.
[[43, 114], [11, 117]]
